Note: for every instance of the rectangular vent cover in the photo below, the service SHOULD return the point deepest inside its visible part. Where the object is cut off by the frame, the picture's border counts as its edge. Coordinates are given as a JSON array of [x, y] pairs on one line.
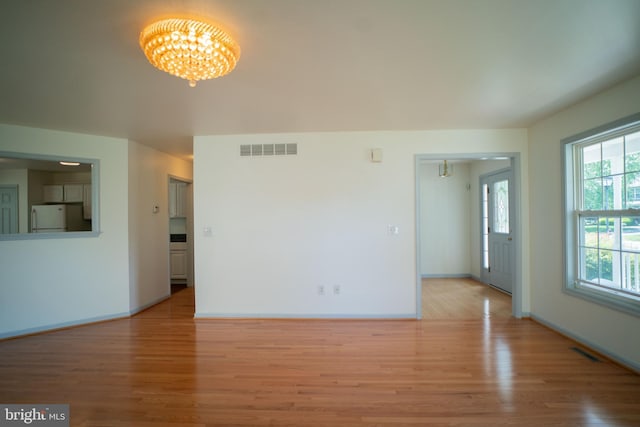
[[256, 150], [268, 150]]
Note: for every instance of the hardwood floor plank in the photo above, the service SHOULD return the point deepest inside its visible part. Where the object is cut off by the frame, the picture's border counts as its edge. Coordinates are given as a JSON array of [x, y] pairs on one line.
[[163, 368]]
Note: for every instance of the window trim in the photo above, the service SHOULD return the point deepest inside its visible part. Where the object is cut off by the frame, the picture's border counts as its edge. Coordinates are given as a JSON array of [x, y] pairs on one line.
[[609, 298]]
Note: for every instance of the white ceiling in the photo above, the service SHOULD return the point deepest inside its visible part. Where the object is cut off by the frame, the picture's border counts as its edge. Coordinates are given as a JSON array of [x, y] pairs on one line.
[[313, 65]]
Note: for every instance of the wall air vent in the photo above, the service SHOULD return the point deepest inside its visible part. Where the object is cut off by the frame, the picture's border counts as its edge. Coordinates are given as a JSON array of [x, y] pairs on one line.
[[247, 150], [256, 150]]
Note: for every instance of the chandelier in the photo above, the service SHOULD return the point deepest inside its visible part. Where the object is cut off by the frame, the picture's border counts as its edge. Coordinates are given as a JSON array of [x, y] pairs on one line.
[[189, 49]]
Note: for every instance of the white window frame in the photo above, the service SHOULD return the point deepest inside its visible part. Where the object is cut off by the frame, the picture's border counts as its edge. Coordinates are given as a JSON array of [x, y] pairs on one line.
[[572, 185]]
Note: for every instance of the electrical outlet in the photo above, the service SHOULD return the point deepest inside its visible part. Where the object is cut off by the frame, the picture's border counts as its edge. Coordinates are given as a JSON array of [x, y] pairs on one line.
[[336, 289], [321, 290]]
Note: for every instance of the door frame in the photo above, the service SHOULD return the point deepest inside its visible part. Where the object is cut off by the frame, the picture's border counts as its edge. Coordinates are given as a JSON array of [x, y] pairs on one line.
[[190, 231], [485, 276], [518, 249]]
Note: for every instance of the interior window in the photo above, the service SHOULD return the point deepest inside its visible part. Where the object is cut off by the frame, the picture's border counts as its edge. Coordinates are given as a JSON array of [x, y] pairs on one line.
[[47, 197]]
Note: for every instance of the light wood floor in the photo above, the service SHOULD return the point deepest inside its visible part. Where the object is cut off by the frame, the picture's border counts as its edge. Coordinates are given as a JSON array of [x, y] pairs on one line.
[[163, 368], [462, 299]]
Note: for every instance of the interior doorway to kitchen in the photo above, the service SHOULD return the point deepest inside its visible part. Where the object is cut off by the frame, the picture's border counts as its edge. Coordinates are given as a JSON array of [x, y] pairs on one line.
[[180, 233]]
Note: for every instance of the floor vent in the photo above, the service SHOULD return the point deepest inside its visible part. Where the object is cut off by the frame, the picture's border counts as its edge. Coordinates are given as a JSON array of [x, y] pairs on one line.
[[263, 150], [585, 354]]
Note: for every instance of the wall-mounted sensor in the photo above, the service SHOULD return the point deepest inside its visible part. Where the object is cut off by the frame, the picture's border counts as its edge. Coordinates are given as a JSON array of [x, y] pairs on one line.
[[156, 209]]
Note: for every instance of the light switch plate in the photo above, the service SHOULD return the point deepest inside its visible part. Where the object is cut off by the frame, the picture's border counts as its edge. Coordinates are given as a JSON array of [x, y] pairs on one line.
[[376, 155]]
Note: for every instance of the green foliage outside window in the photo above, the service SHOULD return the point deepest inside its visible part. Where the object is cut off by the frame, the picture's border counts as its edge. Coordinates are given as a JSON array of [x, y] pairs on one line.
[[598, 191]]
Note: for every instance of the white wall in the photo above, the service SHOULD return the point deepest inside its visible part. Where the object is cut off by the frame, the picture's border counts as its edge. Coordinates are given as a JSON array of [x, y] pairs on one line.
[[444, 221], [60, 281], [149, 172], [601, 327], [283, 225]]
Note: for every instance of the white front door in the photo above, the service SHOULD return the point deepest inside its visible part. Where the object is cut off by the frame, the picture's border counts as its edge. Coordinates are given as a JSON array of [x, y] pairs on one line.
[[497, 237]]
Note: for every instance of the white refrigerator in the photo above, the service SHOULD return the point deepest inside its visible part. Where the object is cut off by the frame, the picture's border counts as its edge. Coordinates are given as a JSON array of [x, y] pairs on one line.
[[48, 218]]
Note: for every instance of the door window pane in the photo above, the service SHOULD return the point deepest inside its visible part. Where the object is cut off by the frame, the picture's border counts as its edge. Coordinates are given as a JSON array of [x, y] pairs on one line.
[[485, 226], [501, 207]]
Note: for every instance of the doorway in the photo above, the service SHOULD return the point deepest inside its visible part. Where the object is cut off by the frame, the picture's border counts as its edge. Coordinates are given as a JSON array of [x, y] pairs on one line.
[[8, 209], [180, 233], [426, 242]]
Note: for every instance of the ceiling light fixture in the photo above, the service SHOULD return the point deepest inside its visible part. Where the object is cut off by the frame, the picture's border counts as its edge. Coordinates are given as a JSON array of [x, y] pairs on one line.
[[445, 170], [70, 163], [189, 49]]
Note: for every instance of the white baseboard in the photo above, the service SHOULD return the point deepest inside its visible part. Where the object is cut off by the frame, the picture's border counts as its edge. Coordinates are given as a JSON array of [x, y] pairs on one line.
[[63, 325], [80, 322], [616, 358], [398, 316], [446, 276]]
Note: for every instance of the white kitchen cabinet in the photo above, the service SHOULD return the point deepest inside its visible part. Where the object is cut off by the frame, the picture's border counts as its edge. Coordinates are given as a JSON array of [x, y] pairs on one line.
[[177, 199], [63, 193], [53, 193], [73, 193], [86, 202], [178, 261]]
